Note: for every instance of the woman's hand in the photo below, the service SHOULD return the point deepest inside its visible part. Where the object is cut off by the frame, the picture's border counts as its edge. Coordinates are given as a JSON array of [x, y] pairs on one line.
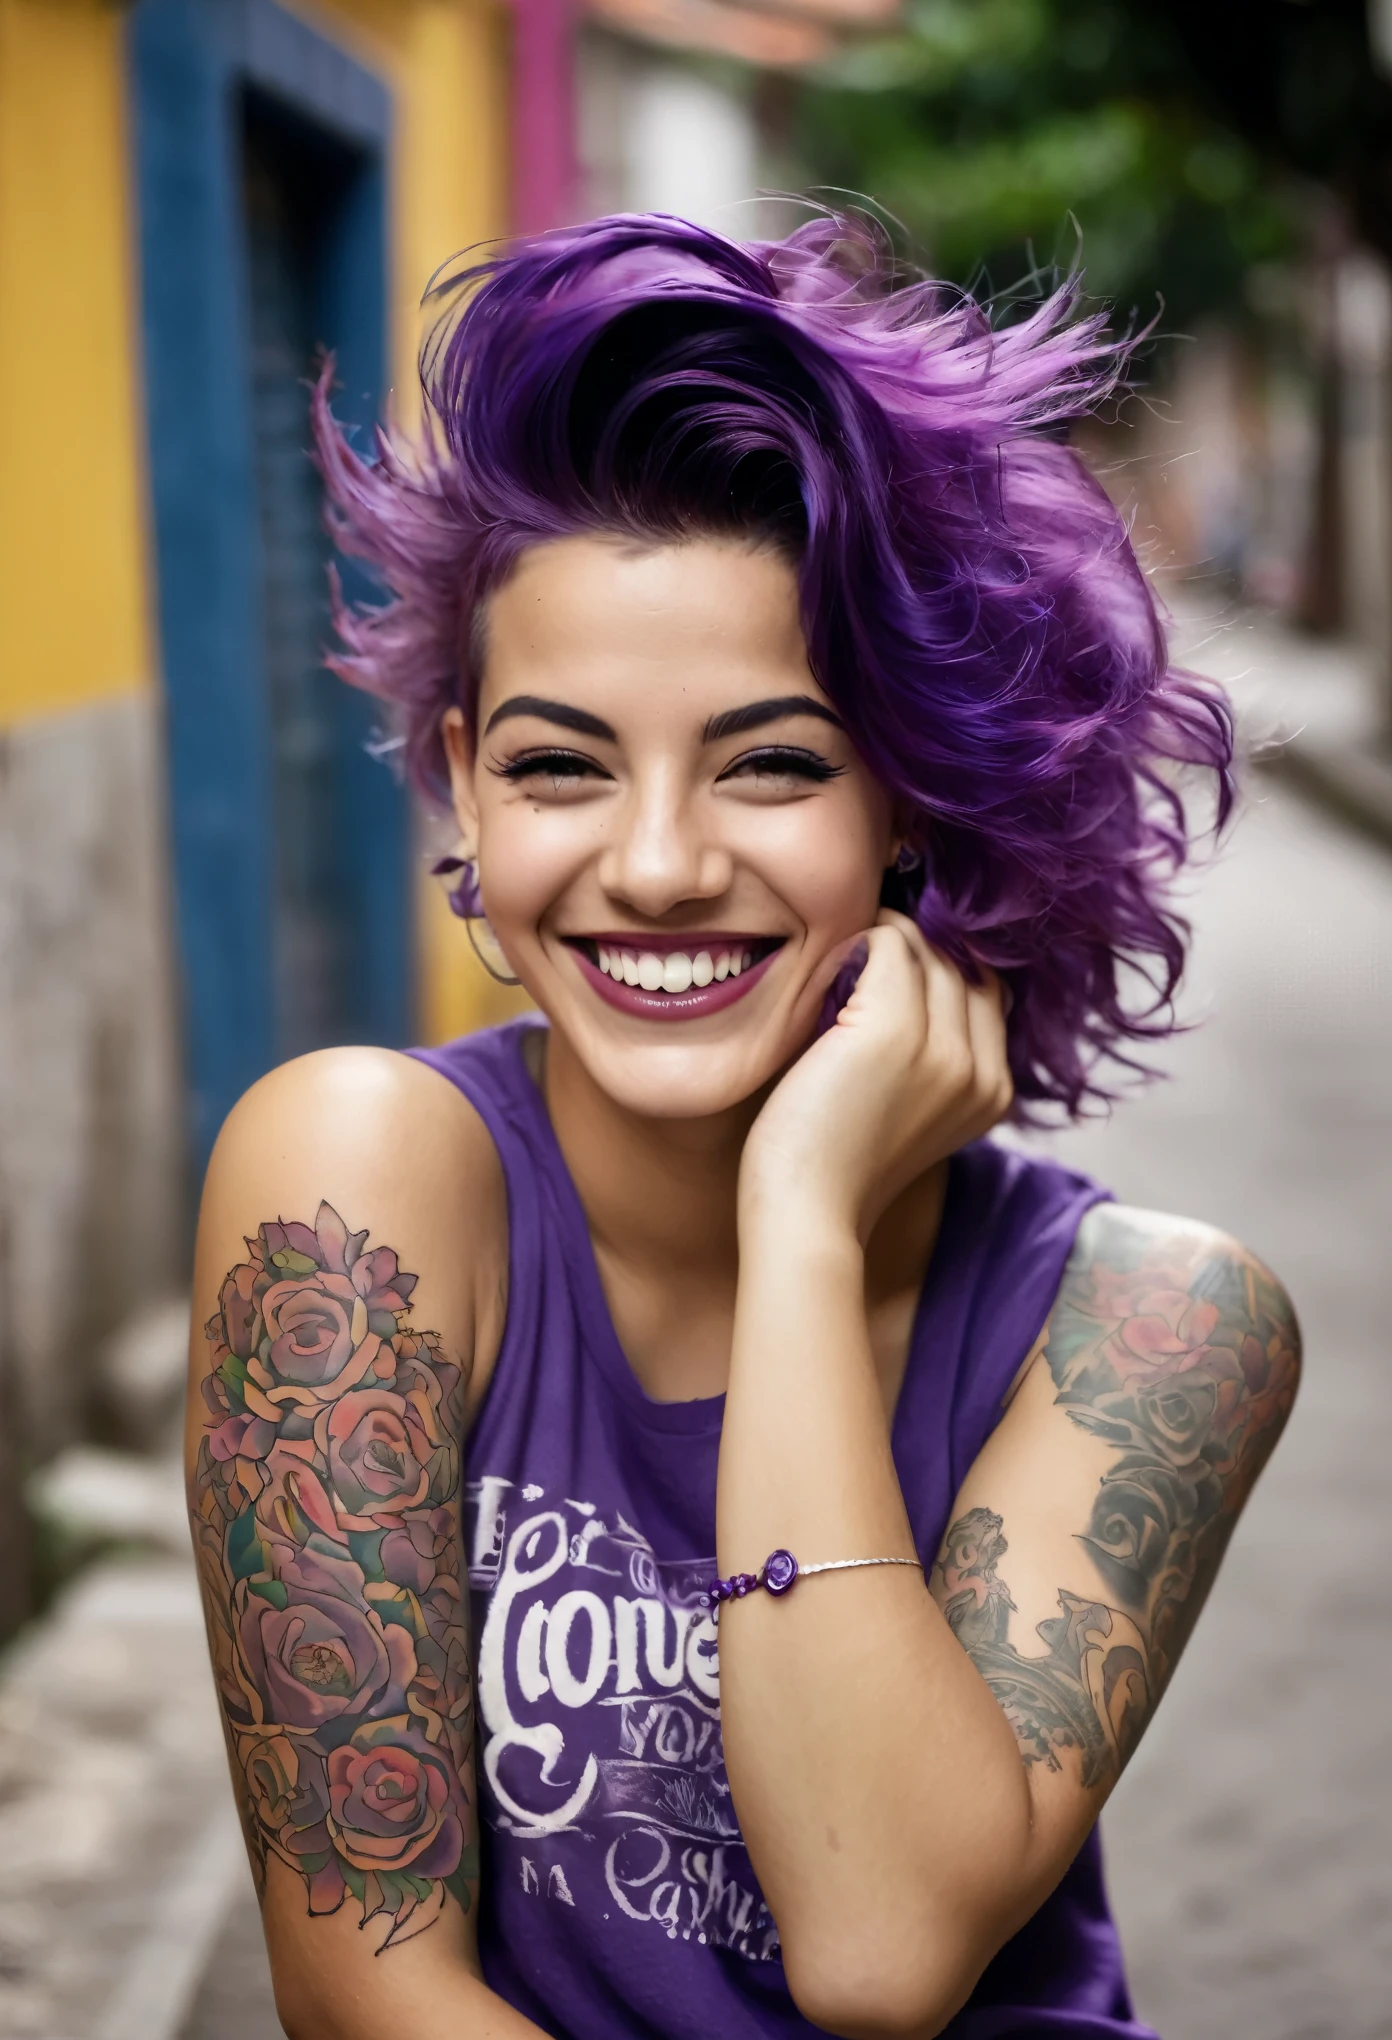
[[914, 1067]]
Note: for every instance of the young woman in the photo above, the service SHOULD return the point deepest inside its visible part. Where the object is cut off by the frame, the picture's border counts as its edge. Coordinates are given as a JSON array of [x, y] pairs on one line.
[[836, 1488]]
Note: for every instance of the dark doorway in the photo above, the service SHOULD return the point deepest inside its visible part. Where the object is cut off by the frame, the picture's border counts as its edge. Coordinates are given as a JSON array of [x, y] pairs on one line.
[[260, 148], [294, 180]]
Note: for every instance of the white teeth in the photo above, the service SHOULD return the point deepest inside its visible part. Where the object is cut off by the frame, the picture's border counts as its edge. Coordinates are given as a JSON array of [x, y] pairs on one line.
[[676, 972]]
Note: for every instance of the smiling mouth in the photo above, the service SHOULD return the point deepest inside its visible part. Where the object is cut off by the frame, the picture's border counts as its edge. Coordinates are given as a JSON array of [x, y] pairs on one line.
[[661, 978]]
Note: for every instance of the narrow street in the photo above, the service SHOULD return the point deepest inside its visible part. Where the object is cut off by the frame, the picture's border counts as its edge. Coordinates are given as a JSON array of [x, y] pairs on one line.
[[1247, 1844]]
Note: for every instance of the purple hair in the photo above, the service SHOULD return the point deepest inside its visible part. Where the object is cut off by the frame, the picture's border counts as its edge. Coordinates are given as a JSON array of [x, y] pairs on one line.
[[970, 596]]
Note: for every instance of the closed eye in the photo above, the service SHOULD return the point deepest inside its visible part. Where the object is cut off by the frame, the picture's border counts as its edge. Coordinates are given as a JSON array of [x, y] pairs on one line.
[[560, 767], [783, 761]]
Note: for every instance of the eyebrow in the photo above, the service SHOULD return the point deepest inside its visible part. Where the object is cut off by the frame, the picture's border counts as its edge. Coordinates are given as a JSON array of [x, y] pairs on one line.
[[577, 719], [754, 714], [732, 722]]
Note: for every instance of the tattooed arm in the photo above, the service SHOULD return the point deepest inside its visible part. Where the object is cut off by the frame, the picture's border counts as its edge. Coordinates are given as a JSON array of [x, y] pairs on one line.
[[330, 1397], [1089, 1532]]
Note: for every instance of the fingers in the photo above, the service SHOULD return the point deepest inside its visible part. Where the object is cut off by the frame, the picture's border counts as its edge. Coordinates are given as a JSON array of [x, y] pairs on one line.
[[986, 1016], [966, 1027], [945, 989], [892, 980]]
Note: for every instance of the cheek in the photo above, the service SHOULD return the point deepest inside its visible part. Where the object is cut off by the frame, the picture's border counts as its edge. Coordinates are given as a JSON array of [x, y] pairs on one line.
[[526, 859], [825, 860]]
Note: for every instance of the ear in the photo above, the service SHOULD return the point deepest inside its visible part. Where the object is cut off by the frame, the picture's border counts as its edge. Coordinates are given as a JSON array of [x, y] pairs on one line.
[[900, 825], [460, 753]]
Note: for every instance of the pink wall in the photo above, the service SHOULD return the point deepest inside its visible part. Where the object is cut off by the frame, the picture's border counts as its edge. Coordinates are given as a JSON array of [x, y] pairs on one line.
[[544, 179]]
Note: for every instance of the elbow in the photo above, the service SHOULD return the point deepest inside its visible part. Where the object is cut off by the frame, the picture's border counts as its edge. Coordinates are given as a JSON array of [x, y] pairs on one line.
[[302, 2013], [872, 1993], [298, 2022]]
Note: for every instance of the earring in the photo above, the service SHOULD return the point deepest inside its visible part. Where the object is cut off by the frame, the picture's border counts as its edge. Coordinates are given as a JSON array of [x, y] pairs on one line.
[[908, 859], [463, 896], [499, 977], [467, 902]]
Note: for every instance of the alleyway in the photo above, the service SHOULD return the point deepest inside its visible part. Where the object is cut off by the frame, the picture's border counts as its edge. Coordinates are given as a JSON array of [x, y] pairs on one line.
[[1248, 1844]]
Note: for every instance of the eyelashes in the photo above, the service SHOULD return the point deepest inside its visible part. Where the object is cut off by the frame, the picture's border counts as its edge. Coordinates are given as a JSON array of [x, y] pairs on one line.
[[560, 765], [783, 761], [772, 761]]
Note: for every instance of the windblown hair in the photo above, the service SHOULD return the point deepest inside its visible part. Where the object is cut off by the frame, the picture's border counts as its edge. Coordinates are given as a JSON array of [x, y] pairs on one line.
[[970, 596]]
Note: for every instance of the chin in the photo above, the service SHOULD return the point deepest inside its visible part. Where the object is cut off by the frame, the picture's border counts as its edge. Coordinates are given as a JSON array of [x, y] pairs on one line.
[[691, 1082], [684, 1070]]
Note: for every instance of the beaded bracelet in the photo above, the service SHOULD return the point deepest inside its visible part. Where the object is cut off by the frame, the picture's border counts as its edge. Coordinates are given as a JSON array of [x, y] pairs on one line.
[[780, 1572]]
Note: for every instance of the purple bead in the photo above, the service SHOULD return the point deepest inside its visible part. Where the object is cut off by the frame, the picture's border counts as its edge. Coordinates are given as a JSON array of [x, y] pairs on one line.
[[744, 1583], [780, 1571]]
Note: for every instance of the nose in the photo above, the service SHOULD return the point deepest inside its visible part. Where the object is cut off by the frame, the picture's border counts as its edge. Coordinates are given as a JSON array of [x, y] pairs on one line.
[[663, 852]]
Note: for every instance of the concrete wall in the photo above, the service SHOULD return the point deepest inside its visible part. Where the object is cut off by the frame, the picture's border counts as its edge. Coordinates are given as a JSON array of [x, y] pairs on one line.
[[93, 1211], [93, 1208]]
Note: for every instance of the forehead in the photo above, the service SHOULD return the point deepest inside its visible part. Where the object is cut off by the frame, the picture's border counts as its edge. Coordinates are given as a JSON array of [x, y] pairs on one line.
[[667, 625]]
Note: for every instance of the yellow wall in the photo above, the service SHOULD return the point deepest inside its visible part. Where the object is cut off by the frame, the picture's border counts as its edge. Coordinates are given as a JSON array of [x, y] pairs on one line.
[[75, 590], [72, 539], [447, 63]]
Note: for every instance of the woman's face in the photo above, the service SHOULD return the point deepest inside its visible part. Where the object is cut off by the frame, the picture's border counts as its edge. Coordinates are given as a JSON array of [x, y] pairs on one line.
[[674, 834]]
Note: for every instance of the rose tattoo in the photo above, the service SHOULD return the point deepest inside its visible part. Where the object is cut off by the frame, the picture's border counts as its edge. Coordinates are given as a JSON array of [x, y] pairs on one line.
[[325, 1503], [1180, 1352]]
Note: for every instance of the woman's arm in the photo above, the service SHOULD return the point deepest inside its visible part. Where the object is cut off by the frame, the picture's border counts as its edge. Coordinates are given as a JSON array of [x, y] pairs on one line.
[[347, 1283], [914, 1774]]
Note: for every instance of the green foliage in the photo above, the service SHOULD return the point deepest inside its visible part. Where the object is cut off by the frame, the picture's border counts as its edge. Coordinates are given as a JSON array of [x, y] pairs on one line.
[[246, 1553], [1000, 131], [366, 1548], [290, 1262], [233, 1376]]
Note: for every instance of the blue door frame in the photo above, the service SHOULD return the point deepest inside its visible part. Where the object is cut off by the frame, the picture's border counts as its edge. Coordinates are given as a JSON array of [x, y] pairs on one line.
[[193, 62]]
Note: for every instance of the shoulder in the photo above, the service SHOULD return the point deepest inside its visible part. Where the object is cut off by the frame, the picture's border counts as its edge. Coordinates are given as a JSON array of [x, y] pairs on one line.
[[394, 1150], [1178, 1272], [353, 1093], [1180, 1322], [369, 1116]]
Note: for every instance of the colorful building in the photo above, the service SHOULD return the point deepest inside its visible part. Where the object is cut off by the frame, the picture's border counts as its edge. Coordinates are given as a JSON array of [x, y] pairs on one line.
[[202, 869]]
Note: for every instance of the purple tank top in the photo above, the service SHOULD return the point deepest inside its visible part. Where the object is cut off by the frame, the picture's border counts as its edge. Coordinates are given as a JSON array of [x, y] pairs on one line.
[[618, 1899]]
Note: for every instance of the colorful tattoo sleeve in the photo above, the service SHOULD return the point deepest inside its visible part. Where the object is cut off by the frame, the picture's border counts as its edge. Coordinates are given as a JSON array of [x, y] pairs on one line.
[[1182, 1354], [325, 1502]]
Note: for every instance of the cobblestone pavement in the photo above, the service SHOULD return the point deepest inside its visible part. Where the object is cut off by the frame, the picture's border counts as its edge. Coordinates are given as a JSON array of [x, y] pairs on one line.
[[119, 1851], [1248, 1844]]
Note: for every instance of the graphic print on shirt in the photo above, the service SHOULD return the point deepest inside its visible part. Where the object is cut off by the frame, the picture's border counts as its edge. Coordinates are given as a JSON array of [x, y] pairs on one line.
[[602, 1767]]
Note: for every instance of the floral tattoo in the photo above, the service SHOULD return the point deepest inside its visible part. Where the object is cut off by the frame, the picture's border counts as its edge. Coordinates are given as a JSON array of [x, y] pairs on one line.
[[325, 1503], [1183, 1354]]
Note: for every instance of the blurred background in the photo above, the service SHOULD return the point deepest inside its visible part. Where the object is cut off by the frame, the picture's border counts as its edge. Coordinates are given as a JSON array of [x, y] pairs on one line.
[[204, 871]]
